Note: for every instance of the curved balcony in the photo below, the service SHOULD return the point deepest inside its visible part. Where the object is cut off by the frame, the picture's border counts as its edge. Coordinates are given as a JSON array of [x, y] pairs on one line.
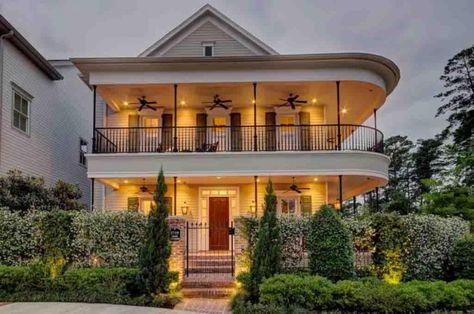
[[249, 138]]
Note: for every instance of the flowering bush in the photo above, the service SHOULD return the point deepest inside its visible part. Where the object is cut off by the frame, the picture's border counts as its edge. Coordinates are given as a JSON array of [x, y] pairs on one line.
[[432, 239], [96, 239], [110, 239], [17, 238], [294, 232]]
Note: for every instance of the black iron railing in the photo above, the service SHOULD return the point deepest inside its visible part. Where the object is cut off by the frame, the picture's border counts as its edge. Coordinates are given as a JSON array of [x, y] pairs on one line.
[[321, 137]]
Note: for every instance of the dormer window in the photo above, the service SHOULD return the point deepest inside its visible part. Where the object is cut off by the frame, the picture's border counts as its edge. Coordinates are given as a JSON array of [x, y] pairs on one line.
[[208, 49]]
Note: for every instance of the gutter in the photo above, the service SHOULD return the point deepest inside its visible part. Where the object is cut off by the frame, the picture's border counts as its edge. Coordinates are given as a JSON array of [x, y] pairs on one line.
[[2, 37]]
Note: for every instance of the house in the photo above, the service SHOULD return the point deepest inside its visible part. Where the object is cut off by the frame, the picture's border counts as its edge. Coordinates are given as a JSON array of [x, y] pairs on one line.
[[46, 117], [221, 112]]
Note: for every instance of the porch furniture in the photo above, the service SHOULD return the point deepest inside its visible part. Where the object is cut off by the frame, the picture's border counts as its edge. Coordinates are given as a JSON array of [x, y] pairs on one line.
[[208, 148]]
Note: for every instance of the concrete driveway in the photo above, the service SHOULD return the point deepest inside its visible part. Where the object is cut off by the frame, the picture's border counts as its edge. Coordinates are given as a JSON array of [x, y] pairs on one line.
[[80, 308]]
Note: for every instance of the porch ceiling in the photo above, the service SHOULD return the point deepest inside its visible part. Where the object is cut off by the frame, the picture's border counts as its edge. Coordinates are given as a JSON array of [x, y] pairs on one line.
[[358, 98], [352, 185]]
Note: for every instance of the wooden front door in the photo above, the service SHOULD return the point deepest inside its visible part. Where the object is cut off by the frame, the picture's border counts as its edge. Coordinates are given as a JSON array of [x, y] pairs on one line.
[[218, 223]]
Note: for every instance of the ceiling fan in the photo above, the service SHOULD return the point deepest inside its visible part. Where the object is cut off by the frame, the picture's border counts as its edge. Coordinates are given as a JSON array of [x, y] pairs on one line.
[[217, 102], [144, 103], [297, 189], [292, 100], [143, 189]]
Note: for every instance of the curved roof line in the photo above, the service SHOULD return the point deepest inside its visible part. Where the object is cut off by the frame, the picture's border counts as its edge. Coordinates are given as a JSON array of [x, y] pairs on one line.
[[390, 70], [207, 9]]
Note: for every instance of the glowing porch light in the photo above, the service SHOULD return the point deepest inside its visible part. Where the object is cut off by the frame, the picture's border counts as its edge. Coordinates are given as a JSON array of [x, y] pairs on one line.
[[315, 179], [125, 103], [314, 101], [253, 101], [218, 178], [178, 181], [183, 103], [125, 181], [344, 110]]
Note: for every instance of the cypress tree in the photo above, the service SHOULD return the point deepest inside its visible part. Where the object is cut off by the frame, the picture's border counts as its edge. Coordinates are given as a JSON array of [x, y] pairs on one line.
[[156, 249], [266, 257], [330, 246]]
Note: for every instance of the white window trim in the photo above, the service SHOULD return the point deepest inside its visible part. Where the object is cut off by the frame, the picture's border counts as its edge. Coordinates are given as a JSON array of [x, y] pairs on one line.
[[207, 44], [288, 194], [27, 96]]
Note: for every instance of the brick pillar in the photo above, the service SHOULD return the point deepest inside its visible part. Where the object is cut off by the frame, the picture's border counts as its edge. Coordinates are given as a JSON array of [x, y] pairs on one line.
[[242, 262], [178, 244]]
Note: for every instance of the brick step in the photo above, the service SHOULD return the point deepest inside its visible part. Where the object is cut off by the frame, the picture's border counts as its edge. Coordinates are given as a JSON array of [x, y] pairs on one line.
[[210, 263], [214, 293], [210, 270], [209, 257], [208, 284]]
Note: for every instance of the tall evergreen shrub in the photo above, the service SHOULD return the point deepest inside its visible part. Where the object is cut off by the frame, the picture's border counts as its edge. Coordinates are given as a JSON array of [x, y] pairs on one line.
[[330, 246], [156, 250], [266, 257]]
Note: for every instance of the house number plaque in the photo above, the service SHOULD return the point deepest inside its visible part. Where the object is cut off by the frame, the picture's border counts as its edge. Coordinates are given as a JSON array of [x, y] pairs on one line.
[[175, 234]]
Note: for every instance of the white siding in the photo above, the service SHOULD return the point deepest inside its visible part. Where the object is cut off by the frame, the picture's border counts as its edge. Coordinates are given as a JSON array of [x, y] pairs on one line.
[[60, 114], [224, 45]]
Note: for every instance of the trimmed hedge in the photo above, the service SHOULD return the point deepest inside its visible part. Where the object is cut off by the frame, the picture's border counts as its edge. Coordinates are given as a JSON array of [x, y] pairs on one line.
[[316, 293], [110, 239], [91, 285], [330, 246]]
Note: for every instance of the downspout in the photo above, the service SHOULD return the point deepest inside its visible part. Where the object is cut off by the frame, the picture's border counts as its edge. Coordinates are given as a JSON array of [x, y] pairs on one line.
[[2, 37]]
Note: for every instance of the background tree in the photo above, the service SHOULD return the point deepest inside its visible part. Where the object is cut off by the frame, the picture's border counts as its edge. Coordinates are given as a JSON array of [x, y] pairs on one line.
[[156, 249], [458, 97], [427, 163], [23, 193], [400, 171], [266, 256], [66, 196]]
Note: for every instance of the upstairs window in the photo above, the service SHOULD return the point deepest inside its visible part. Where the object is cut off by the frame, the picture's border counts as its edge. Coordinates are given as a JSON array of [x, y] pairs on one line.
[[82, 151], [208, 49], [21, 112]]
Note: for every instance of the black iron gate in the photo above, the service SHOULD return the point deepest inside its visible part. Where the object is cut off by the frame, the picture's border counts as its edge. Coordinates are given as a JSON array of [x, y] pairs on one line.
[[209, 248]]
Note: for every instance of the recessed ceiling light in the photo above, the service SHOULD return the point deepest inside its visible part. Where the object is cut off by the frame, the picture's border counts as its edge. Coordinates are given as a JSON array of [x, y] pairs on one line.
[[183, 103], [179, 181], [125, 181], [125, 103], [258, 179], [314, 100], [315, 179], [344, 111], [218, 178]]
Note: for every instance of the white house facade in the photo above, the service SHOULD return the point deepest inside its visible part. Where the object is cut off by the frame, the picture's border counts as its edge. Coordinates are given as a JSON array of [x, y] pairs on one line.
[[45, 114], [222, 112]]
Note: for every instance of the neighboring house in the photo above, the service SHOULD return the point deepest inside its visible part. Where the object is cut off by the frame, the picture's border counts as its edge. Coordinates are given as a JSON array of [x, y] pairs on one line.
[[45, 116], [217, 154]]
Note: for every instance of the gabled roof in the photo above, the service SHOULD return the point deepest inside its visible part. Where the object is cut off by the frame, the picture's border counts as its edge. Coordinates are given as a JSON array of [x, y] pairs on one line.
[[204, 12], [28, 50]]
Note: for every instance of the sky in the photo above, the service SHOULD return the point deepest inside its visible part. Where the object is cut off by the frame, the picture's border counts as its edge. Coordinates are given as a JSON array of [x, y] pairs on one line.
[[418, 35]]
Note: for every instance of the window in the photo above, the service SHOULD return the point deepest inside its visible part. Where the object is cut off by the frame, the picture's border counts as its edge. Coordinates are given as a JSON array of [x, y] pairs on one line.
[[82, 151], [288, 205], [146, 205], [21, 112], [208, 49]]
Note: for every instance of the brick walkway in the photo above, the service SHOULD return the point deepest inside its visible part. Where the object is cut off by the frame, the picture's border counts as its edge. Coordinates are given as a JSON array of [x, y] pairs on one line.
[[208, 306]]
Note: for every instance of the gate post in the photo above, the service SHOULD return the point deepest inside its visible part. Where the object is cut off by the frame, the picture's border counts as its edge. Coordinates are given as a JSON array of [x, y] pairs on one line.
[[177, 227]]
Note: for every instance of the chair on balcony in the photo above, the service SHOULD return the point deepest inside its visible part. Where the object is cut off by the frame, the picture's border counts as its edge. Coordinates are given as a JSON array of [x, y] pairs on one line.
[[208, 148]]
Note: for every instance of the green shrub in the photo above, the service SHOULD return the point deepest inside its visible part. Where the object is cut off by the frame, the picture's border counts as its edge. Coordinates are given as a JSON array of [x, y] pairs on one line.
[[330, 246], [462, 259], [372, 295], [294, 230], [310, 292], [391, 244], [93, 285]]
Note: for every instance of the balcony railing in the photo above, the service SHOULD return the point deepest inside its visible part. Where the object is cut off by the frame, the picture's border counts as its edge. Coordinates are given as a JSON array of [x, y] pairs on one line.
[[238, 139]]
